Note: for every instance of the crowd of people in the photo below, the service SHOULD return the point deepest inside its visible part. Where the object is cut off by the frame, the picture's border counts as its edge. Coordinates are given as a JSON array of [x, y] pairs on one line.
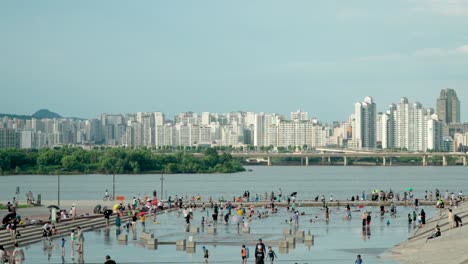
[[228, 212]]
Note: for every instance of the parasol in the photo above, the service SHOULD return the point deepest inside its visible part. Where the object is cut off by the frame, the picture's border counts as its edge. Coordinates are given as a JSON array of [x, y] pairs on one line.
[[141, 214]]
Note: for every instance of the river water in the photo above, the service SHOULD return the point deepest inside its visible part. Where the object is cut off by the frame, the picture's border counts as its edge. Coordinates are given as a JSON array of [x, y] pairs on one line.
[[341, 182], [338, 241]]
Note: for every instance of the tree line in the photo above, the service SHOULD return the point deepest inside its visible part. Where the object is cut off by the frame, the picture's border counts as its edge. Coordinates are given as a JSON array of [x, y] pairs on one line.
[[119, 160]]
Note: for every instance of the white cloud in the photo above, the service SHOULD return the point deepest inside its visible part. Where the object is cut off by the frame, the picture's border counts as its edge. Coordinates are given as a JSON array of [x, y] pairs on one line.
[[462, 49], [430, 52], [443, 7], [438, 52]]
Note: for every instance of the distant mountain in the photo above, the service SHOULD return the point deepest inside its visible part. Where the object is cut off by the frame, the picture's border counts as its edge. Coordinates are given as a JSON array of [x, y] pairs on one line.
[[45, 113], [41, 114]]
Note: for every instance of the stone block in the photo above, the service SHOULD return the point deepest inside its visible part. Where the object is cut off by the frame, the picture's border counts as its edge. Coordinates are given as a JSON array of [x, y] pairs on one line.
[[283, 250], [181, 243], [194, 229], [123, 237], [146, 236], [190, 244], [287, 232], [152, 246], [190, 250], [309, 238], [291, 241], [246, 230], [300, 234], [283, 244], [212, 230], [180, 248], [153, 241]]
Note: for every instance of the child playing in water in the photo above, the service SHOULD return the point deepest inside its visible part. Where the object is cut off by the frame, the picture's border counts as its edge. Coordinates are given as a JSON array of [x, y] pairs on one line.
[[271, 255]]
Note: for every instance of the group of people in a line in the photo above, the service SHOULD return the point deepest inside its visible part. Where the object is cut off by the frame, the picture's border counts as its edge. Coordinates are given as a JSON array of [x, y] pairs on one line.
[[261, 253]]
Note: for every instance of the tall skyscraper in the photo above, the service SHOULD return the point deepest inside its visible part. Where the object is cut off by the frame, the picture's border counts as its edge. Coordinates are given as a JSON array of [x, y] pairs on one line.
[[364, 129], [448, 106]]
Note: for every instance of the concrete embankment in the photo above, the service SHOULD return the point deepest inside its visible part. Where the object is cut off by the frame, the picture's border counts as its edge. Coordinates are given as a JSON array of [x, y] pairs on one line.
[[312, 203], [33, 233], [449, 248]]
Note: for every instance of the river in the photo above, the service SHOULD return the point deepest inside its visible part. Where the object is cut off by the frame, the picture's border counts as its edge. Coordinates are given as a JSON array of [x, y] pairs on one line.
[[341, 182], [337, 241]]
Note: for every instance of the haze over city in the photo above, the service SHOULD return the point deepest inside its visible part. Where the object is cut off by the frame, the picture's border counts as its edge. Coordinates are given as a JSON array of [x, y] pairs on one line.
[[219, 56]]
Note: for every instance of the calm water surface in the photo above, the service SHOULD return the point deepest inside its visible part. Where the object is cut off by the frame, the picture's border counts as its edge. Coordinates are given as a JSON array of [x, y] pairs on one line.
[[338, 241], [341, 182]]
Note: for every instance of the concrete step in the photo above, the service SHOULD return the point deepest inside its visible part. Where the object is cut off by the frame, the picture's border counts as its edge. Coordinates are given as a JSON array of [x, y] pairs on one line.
[[34, 234]]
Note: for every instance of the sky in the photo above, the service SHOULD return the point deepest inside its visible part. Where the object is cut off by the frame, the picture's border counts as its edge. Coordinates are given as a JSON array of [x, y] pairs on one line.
[[83, 58]]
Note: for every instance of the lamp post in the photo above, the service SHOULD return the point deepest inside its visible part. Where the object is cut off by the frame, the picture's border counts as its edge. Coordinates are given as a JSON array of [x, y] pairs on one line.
[[58, 189], [162, 184], [113, 185]]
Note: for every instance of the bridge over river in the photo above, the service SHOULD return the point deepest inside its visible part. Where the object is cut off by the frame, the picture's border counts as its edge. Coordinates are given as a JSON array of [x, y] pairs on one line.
[[386, 157]]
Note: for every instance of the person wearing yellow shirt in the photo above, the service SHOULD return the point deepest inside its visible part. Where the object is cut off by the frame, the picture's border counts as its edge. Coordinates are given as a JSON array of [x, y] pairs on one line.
[[143, 220]]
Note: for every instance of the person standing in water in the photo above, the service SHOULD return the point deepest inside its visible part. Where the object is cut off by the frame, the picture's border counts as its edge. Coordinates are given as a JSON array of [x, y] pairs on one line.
[[244, 254], [271, 255]]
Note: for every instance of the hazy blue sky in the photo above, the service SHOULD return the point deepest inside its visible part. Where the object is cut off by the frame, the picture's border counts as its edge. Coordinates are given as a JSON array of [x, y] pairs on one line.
[[82, 58]]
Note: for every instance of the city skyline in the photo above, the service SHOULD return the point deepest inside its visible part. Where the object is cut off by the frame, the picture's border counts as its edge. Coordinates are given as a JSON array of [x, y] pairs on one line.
[[269, 56], [379, 108], [404, 125]]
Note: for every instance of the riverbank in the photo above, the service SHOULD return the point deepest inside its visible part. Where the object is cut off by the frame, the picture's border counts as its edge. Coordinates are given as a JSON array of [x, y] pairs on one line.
[[449, 248]]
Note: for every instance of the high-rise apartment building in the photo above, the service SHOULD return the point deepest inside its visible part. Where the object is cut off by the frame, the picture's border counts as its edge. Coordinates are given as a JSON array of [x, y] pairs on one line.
[[262, 123], [9, 138], [299, 115], [401, 122], [365, 120], [448, 106]]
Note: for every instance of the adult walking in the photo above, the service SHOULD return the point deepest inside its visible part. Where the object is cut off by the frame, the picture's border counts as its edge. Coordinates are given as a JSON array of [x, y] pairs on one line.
[[205, 254], [73, 212], [450, 218], [259, 255], [458, 221], [364, 218], [134, 222], [262, 246], [117, 222], [423, 217], [81, 240], [143, 221]]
